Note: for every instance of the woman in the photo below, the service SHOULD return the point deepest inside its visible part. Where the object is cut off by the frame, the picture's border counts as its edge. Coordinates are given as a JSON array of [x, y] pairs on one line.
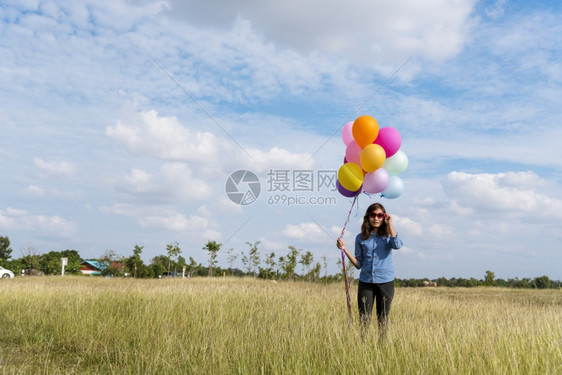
[[373, 255]]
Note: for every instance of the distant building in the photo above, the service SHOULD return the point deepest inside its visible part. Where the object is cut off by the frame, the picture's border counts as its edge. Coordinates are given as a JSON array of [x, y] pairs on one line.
[[92, 267]]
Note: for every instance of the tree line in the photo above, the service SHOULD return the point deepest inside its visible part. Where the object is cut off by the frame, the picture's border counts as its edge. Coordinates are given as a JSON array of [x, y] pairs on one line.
[[172, 263], [255, 263], [541, 282]]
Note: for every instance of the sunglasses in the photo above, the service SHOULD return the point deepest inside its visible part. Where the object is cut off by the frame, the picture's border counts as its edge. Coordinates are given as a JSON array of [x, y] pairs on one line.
[[379, 215]]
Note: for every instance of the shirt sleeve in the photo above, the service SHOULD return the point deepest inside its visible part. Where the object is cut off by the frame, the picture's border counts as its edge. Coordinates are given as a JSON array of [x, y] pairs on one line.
[[395, 242], [358, 251]]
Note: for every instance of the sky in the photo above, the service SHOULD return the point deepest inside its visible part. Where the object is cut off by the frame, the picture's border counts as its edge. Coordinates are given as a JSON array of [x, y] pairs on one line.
[[122, 121]]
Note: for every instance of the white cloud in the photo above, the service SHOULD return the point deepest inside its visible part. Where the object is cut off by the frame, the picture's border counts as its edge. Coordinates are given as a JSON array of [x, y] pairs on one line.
[[35, 190], [407, 225], [54, 168], [176, 222], [278, 158], [138, 178], [164, 138], [511, 193], [171, 183], [496, 10], [21, 220], [269, 246], [305, 231], [162, 217], [222, 205], [365, 30], [440, 230]]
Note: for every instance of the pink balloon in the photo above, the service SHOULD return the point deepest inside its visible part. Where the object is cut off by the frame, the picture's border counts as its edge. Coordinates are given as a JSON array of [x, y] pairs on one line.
[[353, 153], [390, 140], [346, 134], [375, 182]]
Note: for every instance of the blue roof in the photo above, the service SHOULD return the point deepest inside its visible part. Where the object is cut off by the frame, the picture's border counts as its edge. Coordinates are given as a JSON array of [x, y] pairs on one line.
[[96, 264]]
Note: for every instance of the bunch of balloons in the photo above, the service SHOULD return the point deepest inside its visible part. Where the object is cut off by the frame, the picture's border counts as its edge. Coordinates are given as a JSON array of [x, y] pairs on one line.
[[373, 160]]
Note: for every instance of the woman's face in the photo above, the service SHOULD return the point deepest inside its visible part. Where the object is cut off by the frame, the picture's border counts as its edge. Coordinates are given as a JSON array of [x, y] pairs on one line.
[[376, 218]]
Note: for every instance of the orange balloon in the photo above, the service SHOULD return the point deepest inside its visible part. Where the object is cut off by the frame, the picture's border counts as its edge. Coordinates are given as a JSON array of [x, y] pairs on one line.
[[365, 130], [350, 176], [372, 157]]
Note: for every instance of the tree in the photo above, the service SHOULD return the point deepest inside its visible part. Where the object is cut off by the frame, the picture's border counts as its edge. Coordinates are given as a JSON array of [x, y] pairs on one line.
[[254, 257], [51, 263], [281, 265], [231, 257], [306, 261], [212, 248], [542, 282], [157, 269], [5, 249], [114, 263], [161, 260], [246, 263], [290, 263], [136, 258], [270, 261], [173, 250], [192, 267], [30, 257], [325, 263], [489, 278], [314, 274]]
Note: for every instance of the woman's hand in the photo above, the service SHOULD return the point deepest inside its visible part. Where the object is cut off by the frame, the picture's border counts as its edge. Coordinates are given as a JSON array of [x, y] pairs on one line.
[[388, 219], [340, 244]]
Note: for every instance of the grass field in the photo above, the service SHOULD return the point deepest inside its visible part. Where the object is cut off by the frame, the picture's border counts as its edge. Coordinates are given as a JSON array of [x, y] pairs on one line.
[[77, 325]]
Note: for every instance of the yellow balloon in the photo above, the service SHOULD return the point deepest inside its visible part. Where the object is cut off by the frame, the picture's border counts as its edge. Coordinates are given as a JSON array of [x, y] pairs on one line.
[[365, 130], [350, 176], [372, 157]]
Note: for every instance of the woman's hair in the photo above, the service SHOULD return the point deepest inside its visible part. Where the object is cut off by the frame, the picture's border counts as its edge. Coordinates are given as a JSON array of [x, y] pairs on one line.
[[366, 228]]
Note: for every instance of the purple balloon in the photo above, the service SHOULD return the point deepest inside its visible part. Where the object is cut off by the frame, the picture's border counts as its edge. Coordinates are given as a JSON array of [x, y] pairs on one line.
[[346, 193], [375, 182]]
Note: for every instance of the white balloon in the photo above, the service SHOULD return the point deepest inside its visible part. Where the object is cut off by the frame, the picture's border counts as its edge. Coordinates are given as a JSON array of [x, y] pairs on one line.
[[397, 163]]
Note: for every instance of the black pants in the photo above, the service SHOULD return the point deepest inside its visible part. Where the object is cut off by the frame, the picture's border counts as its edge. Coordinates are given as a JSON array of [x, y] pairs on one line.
[[382, 295]]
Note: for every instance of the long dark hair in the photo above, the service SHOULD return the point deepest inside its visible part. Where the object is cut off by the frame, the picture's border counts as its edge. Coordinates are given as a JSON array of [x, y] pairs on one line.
[[366, 227]]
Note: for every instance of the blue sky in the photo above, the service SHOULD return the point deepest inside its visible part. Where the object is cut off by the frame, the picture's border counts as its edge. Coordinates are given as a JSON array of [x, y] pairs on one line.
[[101, 149]]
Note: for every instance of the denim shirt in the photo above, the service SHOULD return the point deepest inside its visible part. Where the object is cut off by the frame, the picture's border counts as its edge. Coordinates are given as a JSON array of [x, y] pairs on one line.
[[374, 256]]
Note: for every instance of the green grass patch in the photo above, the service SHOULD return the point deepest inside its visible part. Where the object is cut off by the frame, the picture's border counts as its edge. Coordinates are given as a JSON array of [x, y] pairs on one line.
[[71, 325]]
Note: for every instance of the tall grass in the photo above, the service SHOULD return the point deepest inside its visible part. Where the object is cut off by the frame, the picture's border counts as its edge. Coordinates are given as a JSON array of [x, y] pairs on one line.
[[244, 326]]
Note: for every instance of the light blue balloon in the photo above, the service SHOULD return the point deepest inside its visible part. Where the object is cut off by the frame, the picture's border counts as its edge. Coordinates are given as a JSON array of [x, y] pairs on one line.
[[396, 164], [394, 189]]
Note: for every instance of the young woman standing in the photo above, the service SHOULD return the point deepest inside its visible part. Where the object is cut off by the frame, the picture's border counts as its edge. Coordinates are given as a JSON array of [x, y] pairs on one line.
[[373, 255]]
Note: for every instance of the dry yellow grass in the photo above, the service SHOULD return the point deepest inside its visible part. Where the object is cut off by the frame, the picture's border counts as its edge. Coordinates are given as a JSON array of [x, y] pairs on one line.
[[243, 326]]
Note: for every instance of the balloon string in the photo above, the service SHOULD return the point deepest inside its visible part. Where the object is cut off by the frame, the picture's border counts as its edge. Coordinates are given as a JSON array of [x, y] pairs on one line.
[[348, 298], [348, 216]]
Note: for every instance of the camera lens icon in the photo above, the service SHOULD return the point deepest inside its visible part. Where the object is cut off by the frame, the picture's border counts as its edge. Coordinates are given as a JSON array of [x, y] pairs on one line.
[[243, 187]]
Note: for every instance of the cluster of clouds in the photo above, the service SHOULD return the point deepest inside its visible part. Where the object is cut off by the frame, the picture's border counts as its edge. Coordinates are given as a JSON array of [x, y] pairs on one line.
[[12, 219], [259, 86], [508, 194]]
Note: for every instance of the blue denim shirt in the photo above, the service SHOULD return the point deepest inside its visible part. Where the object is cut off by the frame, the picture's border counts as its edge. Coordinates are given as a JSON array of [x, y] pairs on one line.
[[374, 256]]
